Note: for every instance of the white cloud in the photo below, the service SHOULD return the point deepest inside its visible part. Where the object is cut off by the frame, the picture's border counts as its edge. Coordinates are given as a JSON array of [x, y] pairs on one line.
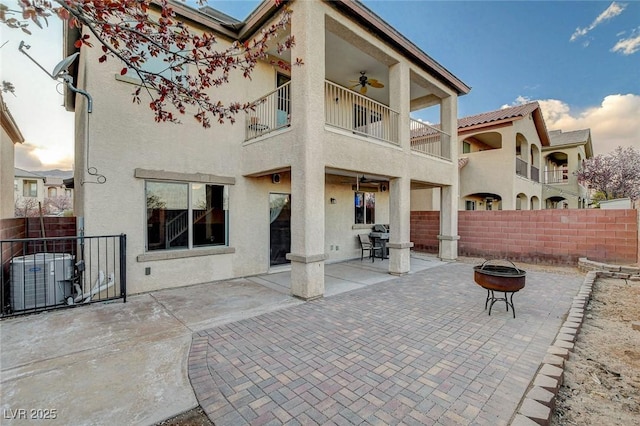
[[613, 123], [611, 12], [628, 46]]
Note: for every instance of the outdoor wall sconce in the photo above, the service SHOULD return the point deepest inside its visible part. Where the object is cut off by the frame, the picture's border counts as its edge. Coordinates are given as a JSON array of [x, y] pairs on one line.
[[332, 201]]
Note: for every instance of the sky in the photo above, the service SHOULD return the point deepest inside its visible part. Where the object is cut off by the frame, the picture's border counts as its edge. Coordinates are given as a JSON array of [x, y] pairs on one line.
[[579, 59]]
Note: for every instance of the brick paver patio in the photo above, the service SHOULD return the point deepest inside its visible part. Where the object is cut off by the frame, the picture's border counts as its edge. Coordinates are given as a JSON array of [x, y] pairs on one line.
[[419, 349]]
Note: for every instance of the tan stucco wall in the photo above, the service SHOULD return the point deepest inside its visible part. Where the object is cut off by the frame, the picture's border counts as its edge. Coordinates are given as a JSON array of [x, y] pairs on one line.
[[7, 155], [494, 170], [123, 137]]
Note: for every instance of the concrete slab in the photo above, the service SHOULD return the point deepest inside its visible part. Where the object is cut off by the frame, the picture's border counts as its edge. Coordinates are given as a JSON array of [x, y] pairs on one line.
[[127, 363]]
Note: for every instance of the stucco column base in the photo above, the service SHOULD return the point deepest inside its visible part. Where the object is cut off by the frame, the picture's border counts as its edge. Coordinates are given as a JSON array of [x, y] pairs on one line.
[[399, 258], [307, 276], [448, 247]]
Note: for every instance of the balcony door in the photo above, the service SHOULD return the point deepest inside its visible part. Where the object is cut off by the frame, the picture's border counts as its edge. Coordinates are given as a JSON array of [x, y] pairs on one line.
[[279, 228]]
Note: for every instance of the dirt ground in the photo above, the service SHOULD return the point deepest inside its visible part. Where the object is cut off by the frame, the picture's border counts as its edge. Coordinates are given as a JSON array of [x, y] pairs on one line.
[[602, 377]]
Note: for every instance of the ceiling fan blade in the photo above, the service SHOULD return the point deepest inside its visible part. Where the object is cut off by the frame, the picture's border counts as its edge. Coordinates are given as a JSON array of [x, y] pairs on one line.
[[363, 91], [354, 86], [375, 83]]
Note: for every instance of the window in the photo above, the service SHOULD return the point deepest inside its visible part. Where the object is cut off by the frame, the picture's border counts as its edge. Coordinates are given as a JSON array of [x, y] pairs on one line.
[[186, 215], [470, 205], [15, 185], [52, 192], [365, 207], [30, 188], [466, 147], [158, 65]]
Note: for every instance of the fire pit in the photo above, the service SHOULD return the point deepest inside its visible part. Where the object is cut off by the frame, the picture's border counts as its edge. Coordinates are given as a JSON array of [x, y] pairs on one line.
[[501, 278]]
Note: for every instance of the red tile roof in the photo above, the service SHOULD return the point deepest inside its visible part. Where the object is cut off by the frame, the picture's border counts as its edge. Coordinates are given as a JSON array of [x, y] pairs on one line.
[[498, 115]]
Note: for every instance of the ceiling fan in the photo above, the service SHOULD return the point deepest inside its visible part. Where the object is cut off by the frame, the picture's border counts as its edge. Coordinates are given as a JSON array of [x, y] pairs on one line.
[[365, 81]]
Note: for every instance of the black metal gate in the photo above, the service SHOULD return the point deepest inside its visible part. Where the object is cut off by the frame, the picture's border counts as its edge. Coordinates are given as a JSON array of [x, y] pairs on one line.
[[39, 274]]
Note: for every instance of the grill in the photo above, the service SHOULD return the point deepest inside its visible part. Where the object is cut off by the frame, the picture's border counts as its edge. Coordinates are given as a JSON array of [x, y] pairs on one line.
[[500, 278], [379, 236]]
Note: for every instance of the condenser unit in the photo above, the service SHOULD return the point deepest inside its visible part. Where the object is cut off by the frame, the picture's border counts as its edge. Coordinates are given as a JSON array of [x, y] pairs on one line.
[[40, 279]]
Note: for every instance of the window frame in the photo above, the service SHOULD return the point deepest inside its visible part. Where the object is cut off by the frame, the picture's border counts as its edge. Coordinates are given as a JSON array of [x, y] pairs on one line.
[[30, 188], [366, 212], [190, 246]]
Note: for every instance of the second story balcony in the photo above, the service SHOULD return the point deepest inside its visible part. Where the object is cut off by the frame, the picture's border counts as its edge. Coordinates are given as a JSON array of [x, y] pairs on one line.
[[349, 111]]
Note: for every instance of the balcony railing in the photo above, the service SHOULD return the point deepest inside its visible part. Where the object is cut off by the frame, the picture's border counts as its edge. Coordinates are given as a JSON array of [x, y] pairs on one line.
[[348, 110], [535, 174], [430, 140], [557, 176], [272, 112], [521, 167]]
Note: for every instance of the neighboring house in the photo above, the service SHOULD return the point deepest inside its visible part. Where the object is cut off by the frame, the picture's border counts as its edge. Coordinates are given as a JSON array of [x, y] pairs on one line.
[[297, 181], [28, 192], [59, 198], [562, 158], [10, 136], [503, 152]]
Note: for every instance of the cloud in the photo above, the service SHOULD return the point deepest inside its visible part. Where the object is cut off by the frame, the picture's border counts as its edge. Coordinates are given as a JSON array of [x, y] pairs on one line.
[[27, 158], [628, 46], [613, 123], [611, 12]]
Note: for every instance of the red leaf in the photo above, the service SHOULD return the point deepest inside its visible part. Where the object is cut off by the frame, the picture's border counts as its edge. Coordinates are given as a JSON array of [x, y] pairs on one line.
[[78, 44], [102, 59], [123, 71]]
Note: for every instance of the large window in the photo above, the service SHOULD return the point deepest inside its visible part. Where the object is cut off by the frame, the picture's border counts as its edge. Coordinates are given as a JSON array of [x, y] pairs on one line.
[[30, 188], [186, 215], [365, 207]]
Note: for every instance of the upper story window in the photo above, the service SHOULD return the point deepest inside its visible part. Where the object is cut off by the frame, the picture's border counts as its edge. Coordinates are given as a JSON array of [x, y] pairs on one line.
[[365, 207], [30, 188], [469, 205], [186, 215], [156, 65], [466, 147], [52, 192]]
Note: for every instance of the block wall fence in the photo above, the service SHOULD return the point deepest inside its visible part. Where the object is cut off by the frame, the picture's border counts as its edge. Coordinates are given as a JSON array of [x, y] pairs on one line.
[[545, 236]]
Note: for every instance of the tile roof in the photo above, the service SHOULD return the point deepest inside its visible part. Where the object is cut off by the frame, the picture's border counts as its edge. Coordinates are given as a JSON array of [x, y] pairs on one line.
[[25, 173], [498, 115], [558, 137]]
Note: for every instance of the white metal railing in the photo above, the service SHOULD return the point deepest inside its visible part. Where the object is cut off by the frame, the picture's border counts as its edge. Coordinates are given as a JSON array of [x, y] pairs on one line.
[[430, 140], [272, 112], [348, 110]]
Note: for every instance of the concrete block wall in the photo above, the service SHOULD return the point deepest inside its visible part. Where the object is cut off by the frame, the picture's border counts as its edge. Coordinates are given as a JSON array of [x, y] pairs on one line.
[[549, 236]]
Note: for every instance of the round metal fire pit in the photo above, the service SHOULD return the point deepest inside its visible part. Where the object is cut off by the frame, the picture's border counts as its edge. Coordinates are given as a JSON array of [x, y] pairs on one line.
[[501, 278]]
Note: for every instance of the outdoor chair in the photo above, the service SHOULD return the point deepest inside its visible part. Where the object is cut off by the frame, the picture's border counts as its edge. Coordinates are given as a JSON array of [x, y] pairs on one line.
[[367, 245]]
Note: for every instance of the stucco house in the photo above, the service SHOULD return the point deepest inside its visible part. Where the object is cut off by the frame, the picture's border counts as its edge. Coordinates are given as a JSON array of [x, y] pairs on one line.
[[28, 191], [289, 186], [562, 158], [10, 136], [501, 159]]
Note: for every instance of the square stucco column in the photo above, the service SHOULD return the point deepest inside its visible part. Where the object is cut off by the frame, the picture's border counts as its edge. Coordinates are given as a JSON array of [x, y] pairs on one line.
[[448, 247], [399, 221], [307, 169], [400, 187]]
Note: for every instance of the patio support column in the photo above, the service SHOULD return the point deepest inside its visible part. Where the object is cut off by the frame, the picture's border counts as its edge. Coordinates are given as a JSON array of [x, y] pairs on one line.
[[400, 187], [399, 222], [307, 168], [448, 247]]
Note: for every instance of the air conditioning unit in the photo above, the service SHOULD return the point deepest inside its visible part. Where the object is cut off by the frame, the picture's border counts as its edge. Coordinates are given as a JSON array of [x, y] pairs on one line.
[[40, 279]]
